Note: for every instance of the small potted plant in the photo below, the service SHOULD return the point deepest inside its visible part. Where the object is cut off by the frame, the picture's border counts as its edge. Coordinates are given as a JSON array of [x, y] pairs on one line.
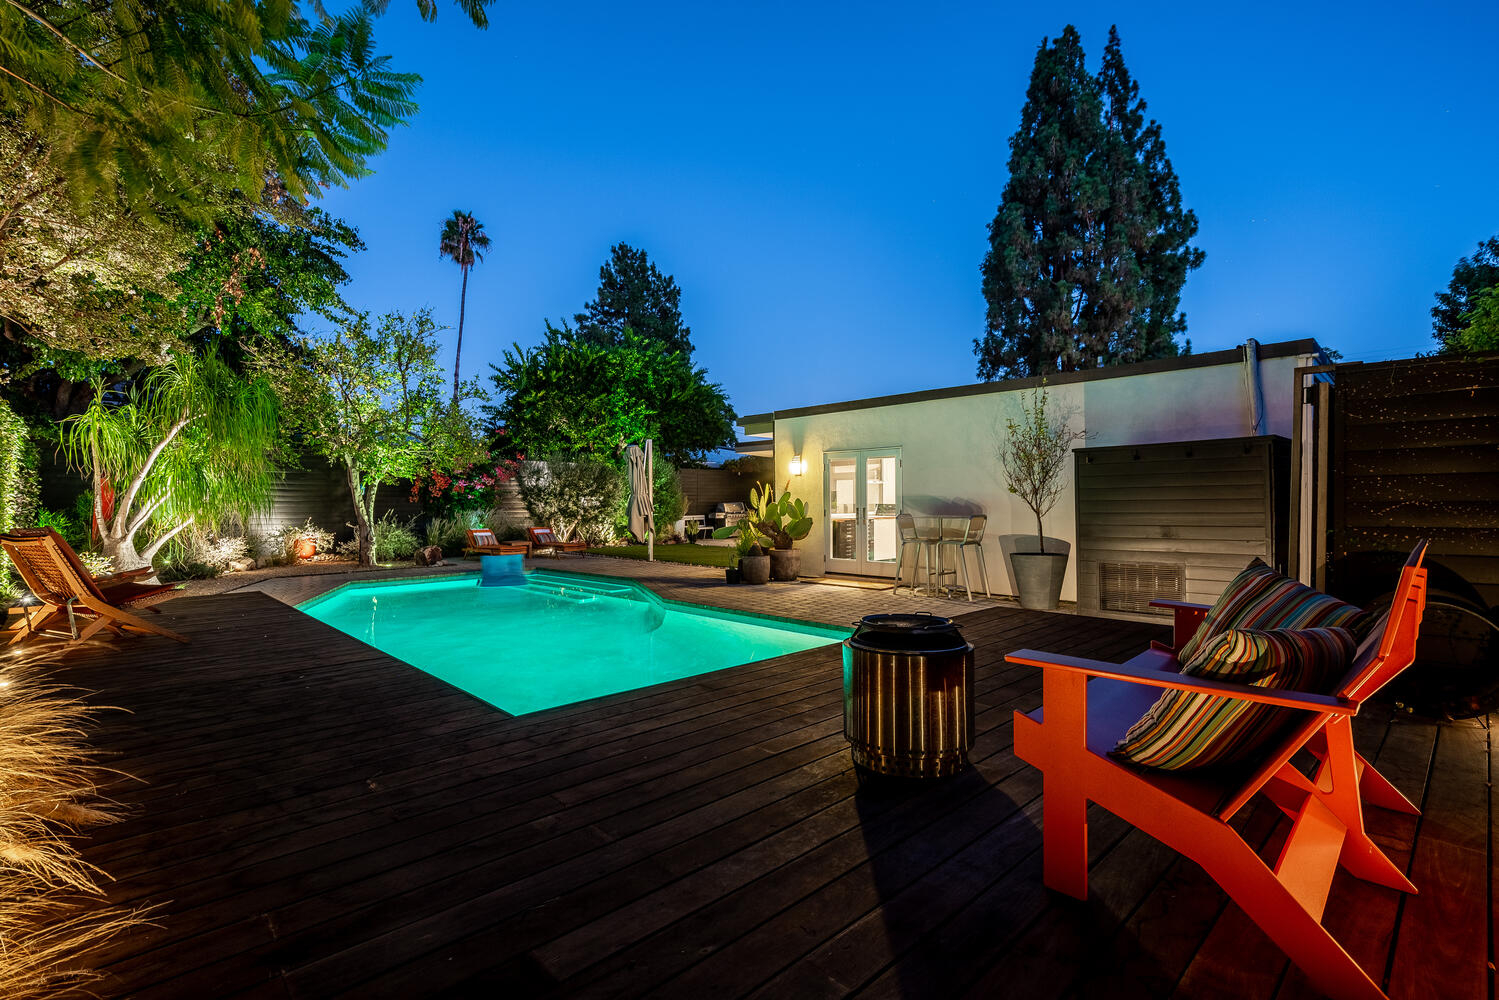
[[741, 549], [752, 565], [1033, 453]]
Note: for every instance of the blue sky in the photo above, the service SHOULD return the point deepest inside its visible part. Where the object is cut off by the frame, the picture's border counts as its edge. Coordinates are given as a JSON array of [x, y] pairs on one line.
[[819, 177]]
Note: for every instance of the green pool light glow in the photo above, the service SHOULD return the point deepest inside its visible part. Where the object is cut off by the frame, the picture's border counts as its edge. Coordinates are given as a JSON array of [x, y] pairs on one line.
[[558, 639]]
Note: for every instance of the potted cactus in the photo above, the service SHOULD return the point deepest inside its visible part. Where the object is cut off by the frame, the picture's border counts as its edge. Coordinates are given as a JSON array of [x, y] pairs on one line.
[[780, 522], [752, 565]]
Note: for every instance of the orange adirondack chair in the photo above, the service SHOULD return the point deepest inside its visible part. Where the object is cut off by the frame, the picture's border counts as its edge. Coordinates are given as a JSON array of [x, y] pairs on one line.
[[51, 569], [1087, 706]]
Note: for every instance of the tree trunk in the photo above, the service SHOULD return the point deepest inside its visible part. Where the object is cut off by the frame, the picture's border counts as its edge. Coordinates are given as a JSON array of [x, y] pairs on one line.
[[364, 531], [1040, 535], [458, 353]]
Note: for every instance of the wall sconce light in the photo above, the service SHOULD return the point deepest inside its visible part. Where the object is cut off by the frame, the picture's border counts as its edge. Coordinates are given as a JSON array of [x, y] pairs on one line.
[[798, 465]]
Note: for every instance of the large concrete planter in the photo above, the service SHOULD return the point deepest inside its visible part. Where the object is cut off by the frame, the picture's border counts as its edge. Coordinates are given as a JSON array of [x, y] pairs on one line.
[[785, 564], [1038, 577], [754, 569]]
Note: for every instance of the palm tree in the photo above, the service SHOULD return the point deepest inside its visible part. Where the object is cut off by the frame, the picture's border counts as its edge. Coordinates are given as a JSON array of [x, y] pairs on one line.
[[463, 241]]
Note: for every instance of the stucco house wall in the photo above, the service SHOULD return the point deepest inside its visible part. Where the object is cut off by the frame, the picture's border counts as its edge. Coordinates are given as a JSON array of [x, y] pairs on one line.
[[948, 442]]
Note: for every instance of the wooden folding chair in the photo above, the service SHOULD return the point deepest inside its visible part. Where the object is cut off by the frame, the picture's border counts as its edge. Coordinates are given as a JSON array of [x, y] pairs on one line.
[[66, 592], [1088, 705]]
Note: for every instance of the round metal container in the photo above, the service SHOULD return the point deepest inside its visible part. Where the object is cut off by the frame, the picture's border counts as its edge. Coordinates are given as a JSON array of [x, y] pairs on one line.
[[907, 704]]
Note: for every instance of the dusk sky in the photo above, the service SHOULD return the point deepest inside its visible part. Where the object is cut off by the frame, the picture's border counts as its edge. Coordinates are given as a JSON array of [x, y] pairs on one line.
[[819, 177]]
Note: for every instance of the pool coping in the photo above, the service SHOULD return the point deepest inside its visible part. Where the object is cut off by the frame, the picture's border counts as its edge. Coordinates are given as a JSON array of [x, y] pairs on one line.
[[639, 587]]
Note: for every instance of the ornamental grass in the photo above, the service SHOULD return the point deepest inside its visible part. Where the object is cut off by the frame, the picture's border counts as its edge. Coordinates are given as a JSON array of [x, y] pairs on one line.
[[51, 914]]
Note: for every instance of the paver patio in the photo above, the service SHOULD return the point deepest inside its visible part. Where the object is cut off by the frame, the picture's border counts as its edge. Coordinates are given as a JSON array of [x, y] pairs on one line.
[[316, 819]]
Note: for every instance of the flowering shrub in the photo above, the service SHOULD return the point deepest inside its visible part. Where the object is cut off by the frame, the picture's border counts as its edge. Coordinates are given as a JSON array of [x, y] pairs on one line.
[[474, 487]]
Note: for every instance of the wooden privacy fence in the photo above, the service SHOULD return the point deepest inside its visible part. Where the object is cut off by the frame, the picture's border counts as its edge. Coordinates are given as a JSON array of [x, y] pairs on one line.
[[317, 490]]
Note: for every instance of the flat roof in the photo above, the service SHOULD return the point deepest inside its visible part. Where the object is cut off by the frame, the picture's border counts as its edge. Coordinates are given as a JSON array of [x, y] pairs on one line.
[[1233, 355]]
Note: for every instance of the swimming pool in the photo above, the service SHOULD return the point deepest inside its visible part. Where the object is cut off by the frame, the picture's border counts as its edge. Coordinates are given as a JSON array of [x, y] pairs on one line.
[[558, 639]]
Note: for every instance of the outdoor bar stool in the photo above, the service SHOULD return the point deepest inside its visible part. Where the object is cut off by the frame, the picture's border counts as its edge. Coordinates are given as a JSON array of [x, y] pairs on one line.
[[973, 535], [905, 526]]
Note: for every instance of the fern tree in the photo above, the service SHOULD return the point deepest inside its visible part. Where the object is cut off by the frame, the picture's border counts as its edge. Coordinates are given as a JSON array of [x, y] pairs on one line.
[[190, 444]]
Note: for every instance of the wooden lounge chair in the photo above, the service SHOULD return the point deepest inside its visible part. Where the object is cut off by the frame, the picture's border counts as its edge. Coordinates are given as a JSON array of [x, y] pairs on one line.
[[1087, 705], [66, 592], [482, 542], [546, 540]]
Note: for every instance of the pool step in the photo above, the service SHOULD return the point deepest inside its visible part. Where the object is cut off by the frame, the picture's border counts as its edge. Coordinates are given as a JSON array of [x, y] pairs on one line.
[[584, 590]]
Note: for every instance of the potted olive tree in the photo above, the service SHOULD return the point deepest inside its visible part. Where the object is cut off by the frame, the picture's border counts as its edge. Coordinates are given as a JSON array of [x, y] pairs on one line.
[[1033, 453]]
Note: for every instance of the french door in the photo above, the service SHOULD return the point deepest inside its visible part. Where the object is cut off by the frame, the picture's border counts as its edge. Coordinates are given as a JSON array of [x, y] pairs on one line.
[[862, 500]]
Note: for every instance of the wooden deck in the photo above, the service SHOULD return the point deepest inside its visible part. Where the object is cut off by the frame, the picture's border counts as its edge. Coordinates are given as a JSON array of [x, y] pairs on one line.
[[316, 819]]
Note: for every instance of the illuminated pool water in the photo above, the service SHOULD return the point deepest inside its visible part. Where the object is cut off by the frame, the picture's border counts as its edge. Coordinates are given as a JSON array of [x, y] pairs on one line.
[[558, 639]]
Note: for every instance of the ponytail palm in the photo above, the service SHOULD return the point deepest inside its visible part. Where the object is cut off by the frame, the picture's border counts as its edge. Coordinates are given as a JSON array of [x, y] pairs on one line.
[[188, 445]]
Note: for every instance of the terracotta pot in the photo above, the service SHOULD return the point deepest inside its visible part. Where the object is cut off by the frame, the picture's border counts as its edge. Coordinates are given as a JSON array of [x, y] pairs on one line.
[[785, 564], [754, 569], [304, 548], [1038, 577]]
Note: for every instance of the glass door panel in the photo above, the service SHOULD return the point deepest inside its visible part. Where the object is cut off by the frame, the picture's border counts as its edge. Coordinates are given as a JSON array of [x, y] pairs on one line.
[[881, 504], [843, 509]]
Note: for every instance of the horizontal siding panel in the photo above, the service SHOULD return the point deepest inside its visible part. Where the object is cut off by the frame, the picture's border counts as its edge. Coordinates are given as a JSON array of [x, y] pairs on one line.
[[1417, 488], [1203, 492], [1100, 532], [1419, 376], [1425, 434], [1426, 407], [1183, 477], [1180, 465], [1205, 507], [1421, 461], [1422, 514]]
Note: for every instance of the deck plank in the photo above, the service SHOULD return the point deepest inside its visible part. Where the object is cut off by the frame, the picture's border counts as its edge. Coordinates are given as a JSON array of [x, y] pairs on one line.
[[315, 818]]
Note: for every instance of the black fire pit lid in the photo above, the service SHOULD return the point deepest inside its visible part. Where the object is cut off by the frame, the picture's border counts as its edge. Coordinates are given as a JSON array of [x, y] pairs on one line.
[[911, 631]]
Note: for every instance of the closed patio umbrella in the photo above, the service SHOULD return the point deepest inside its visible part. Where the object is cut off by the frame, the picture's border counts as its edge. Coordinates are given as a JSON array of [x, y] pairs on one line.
[[642, 518]]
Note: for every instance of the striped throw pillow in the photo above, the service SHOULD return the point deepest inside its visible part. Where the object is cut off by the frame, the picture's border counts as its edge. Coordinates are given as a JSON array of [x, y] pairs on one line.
[[1261, 598], [1186, 729]]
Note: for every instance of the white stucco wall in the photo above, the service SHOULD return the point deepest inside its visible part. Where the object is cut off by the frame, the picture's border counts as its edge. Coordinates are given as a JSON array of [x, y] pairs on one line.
[[948, 445]]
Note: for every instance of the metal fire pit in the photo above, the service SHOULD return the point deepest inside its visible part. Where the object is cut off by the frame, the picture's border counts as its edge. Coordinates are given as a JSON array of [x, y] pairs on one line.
[[907, 705]]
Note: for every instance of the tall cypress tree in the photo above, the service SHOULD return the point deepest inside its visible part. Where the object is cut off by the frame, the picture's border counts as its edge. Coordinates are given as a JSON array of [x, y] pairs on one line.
[[1090, 246], [1159, 231]]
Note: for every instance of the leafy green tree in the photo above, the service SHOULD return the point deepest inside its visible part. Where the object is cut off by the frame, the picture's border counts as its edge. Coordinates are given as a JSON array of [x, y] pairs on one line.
[[1089, 248], [191, 444], [373, 401], [463, 242], [1482, 332], [1471, 276], [247, 277], [572, 396], [634, 295]]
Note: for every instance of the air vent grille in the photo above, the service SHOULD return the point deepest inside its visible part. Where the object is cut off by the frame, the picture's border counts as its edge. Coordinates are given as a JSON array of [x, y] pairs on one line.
[[1132, 586]]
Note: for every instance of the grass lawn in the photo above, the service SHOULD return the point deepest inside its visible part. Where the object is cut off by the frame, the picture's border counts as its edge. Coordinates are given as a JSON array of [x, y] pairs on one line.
[[697, 555]]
